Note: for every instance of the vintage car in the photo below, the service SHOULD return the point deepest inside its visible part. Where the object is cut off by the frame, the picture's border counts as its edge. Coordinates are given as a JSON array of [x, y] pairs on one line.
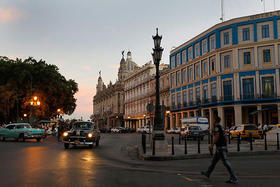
[[82, 133], [20, 132]]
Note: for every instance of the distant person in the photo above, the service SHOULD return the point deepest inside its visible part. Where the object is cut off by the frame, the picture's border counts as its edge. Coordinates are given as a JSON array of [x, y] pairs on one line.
[[265, 128], [221, 152]]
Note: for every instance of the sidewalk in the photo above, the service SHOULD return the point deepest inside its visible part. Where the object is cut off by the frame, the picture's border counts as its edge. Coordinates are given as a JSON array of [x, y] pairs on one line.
[[192, 151]]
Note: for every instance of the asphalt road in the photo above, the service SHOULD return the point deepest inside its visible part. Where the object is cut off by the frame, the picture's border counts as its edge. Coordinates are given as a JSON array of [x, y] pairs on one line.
[[48, 164]]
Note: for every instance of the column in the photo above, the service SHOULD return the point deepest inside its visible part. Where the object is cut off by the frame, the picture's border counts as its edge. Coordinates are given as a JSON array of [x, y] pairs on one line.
[[259, 108], [276, 59], [171, 120], [177, 120], [277, 82], [278, 109], [218, 87], [221, 115], [203, 112], [258, 83], [236, 86], [238, 114]]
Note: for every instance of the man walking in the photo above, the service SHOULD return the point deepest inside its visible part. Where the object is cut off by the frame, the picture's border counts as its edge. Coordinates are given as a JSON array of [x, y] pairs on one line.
[[221, 153]]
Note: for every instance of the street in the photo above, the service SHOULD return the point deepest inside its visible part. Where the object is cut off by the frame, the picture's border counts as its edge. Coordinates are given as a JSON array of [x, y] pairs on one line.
[[49, 164]]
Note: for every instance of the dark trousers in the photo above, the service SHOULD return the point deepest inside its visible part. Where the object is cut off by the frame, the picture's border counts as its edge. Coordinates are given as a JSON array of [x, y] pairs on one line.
[[221, 153]]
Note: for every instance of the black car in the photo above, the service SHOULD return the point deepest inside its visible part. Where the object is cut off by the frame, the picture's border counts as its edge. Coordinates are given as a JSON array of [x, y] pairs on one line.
[[82, 133]]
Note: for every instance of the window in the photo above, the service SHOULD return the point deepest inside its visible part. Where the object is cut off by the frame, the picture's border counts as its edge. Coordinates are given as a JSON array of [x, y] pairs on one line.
[[226, 38], [178, 78], [197, 94], [204, 46], [226, 61], [266, 55], [212, 41], [204, 68], [267, 87], [248, 88], [178, 99], [205, 93], [247, 58], [227, 85], [197, 50], [185, 99], [213, 65], [197, 71], [173, 100], [246, 34], [265, 31], [183, 73], [173, 62], [172, 80], [191, 95], [190, 53], [184, 57], [213, 92], [178, 59], [190, 73]]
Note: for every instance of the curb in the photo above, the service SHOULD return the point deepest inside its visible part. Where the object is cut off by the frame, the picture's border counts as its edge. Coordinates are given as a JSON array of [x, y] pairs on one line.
[[142, 156]]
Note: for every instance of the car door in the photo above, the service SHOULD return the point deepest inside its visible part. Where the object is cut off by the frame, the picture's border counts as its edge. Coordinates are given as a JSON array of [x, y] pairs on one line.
[[10, 131]]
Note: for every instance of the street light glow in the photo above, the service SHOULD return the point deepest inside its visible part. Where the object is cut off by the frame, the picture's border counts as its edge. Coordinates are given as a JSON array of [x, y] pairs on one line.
[[35, 98]]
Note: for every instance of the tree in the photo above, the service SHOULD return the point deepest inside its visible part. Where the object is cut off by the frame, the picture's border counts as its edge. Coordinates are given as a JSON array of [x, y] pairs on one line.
[[20, 80]]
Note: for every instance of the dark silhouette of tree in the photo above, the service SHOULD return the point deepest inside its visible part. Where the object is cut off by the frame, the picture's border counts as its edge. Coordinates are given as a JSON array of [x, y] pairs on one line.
[[20, 80]]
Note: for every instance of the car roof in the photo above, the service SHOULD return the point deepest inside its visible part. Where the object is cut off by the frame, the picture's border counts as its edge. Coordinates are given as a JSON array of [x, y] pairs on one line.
[[18, 124]]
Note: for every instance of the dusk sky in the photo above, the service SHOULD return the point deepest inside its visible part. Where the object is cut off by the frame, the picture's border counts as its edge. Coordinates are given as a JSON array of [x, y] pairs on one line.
[[83, 37]]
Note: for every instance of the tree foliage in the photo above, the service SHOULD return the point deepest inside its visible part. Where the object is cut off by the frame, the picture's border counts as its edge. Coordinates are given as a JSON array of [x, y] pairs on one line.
[[21, 80]]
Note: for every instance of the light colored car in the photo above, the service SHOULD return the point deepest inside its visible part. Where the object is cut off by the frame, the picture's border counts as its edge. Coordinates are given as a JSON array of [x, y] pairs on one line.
[[115, 130], [145, 129], [21, 132], [170, 131], [177, 130]]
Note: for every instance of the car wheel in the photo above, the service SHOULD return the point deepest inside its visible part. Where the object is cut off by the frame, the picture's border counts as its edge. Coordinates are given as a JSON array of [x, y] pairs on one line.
[[21, 138], [38, 139], [90, 146], [66, 146], [2, 139]]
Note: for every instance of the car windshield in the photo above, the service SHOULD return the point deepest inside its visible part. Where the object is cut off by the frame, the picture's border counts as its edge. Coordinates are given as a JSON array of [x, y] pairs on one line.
[[250, 127], [239, 128], [84, 125], [23, 126]]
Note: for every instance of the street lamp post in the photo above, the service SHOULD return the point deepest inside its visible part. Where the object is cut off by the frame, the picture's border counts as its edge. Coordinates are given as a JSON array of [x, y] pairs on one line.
[[35, 102], [158, 132]]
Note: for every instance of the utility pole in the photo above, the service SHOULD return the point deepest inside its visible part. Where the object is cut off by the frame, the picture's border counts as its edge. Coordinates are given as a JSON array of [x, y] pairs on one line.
[[222, 11]]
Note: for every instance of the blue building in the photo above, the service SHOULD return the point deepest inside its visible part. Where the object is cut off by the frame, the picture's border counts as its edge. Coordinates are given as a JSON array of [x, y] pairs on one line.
[[230, 70]]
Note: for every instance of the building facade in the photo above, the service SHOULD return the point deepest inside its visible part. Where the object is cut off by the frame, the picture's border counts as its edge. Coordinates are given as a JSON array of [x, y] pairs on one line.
[[108, 102], [230, 70], [140, 91]]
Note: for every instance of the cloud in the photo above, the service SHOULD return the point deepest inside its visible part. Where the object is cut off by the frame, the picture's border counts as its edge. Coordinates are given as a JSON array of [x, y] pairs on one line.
[[87, 68], [113, 66], [8, 15]]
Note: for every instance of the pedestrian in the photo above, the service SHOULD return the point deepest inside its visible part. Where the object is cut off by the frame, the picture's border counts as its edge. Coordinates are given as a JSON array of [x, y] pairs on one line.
[[221, 152]]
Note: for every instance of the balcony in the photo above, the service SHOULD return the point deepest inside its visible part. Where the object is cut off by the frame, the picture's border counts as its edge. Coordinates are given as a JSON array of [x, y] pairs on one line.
[[227, 98]]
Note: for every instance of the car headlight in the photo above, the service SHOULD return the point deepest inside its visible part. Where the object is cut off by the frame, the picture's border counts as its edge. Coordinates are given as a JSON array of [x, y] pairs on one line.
[[89, 135], [65, 134]]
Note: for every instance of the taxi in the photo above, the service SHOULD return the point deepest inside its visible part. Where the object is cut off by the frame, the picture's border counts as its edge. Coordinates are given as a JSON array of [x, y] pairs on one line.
[[245, 131]]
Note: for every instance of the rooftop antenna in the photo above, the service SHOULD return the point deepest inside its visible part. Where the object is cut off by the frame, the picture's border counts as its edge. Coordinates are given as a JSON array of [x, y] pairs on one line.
[[264, 5], [222, 11]]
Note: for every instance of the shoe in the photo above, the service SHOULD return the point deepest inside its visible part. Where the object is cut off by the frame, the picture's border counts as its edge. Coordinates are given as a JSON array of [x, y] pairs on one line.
[[205, 174], [231, 181]]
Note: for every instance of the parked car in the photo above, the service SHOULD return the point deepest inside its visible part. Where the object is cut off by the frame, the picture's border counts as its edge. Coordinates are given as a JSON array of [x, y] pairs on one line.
[[21, 132], [193, 132], [82, 133], [170, 131], [119, 130], [245, 130], [145, 129]]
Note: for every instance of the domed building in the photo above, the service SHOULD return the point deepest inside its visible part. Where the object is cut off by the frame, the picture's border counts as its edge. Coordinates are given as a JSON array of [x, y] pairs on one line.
[[108, 101]]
